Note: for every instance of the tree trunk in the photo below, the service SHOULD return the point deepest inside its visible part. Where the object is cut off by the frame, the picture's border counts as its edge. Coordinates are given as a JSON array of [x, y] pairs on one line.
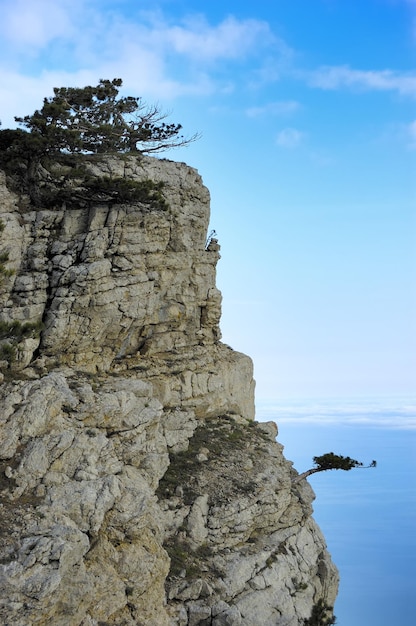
[[300, 477]]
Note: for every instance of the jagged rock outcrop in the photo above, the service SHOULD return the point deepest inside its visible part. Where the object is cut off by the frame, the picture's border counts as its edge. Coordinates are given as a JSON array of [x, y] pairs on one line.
[[136, 487]]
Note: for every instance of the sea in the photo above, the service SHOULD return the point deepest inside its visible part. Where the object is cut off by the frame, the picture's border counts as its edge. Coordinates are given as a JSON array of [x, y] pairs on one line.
[[368, 516]]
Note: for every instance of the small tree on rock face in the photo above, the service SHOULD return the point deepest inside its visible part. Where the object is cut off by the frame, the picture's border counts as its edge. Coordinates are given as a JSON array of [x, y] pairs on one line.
[[96, 120], [331, 461], [321, 615]]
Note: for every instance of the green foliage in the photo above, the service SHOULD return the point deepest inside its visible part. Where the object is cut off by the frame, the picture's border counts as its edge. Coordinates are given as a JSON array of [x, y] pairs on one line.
[[17, 331], [78, 188], [331, 461], [185, 557], [4, 257], [19, 150], [122, 190], [78, 122], [47, 159], [96, 120], [226, 442], [321, 615], [222, 436], [8, 352], [4, 271], [12, 333], [15, 142]]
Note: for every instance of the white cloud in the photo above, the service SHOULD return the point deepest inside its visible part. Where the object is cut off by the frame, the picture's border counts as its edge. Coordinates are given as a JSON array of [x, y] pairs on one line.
[[282, 107], [230, 39], [35, 24], [51, 43], [338, 77], [90, 27], [289, 138]]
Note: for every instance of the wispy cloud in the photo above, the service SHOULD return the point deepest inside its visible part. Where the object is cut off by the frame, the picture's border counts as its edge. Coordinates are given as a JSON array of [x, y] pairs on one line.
[[282, 107], [290, 138], [345, 77], [45, 44], [76, 42], [230, 39], [33, 25], [400, 414]]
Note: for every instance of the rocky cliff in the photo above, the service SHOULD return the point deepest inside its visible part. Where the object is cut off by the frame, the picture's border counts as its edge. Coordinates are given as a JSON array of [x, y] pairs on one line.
[[136, 487]]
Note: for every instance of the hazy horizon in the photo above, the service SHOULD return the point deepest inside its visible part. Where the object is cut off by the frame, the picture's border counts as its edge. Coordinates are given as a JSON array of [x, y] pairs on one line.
[[367, 517]]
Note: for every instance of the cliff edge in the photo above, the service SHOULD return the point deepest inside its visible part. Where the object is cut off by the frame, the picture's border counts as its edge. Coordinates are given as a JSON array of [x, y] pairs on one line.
[[136, 487]]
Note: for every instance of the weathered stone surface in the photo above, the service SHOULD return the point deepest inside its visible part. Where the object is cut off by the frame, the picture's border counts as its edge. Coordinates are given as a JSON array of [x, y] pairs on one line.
[[136, 487]]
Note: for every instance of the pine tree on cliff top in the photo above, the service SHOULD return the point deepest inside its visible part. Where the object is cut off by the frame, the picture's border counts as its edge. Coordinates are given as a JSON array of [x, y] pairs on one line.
[[96, 120]]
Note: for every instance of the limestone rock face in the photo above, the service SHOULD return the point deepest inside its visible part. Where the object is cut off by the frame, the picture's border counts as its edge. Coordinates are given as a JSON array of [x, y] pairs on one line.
[[136, 487]]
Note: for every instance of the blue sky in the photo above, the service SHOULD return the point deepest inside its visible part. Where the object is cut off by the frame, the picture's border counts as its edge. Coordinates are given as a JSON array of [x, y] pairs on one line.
[[308, 121]]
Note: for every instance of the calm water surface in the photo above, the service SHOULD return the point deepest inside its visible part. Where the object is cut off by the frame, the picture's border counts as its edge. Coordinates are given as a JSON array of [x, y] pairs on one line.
[[368, 516]]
